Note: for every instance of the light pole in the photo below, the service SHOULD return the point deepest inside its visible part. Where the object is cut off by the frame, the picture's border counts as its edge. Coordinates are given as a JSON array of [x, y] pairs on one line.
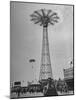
[[32, 61]]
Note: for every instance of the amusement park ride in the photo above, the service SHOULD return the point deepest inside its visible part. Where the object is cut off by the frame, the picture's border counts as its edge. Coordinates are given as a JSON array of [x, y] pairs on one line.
[[44, 18]]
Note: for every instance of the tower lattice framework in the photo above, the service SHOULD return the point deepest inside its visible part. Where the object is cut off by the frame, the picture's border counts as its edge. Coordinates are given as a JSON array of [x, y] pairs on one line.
[[45, 69]]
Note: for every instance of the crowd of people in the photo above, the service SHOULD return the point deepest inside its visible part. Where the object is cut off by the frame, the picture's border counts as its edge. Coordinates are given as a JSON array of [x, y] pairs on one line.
[[49, 89]]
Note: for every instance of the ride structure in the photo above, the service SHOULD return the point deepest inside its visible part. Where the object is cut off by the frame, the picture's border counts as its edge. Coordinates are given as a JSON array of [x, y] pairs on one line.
[[44, 18]]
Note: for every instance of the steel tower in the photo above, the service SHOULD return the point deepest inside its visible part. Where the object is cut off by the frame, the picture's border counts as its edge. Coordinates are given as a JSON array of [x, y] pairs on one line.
[[44, 18]]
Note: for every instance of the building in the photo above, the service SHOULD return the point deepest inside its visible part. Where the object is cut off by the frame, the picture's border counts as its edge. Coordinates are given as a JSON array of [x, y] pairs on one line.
[[69, 76], [17, 84]]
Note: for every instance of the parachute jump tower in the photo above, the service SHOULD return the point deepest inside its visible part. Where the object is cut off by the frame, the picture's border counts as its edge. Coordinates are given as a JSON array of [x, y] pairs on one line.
[[44, 18]]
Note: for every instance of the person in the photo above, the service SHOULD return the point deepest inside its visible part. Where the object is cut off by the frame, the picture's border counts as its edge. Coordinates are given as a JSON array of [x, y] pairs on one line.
[[49, 89], [18, 91]]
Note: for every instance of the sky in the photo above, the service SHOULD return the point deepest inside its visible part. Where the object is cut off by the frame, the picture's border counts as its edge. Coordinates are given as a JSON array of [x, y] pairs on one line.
[[26, 41]]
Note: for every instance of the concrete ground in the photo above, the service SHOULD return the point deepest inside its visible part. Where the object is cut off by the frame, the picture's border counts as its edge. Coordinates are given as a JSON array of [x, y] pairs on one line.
[[14, 95]]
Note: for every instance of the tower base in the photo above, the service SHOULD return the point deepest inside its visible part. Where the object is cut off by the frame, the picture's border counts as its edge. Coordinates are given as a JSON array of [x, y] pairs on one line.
[[49, 88]]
